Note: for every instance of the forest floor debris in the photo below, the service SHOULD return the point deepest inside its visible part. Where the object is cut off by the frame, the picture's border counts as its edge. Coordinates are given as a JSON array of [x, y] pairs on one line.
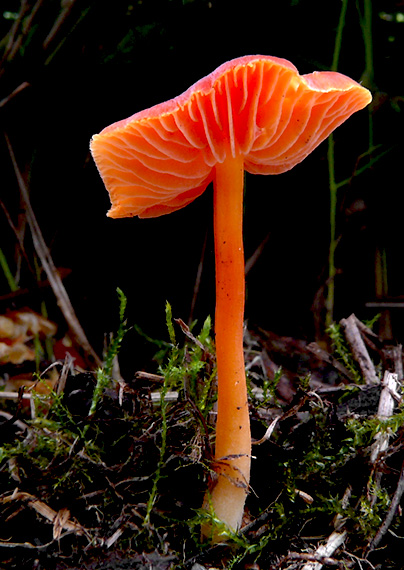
[[85, 470]]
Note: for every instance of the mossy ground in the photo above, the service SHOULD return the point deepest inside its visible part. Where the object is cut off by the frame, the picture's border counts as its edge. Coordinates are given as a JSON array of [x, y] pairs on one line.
[[110, 472]]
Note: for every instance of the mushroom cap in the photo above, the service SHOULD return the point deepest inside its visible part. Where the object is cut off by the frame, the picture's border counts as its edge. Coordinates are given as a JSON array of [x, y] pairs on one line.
[[160, 159]]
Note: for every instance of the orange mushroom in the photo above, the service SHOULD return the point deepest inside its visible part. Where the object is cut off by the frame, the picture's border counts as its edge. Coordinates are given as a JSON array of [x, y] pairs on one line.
[[254, 113]]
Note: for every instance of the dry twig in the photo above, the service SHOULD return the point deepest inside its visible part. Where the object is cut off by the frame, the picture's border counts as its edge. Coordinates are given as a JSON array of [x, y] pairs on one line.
[[395, 502], [325, 551], [60, 520], [385, 411], [361, 355]]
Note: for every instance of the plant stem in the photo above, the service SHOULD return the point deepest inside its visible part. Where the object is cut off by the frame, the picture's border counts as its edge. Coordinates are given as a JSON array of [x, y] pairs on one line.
[[381, 272], [7, 272], [330, 300], [368, 74], [329, 303], [233, 438], [338, 36], [366, 24], [163, 446]]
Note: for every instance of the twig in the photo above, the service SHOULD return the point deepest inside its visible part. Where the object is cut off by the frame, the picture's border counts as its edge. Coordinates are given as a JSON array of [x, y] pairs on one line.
[[17, 237], [198, 279], [57, 32], [323, 355], [385, 411], [339, 519], [359, 561], [268, 433], [149, 376], [315, 560], [334, 541], [325, 551], [49, 267], [361, 355], [187, 332], [12, 34], [251, 261], [393, 359], [60, 520], [395, 502], [169, 396], [24, 24], [39, 547], [364, 328], [15, 92], [7, 395], [67, 368], [12, 419], [60, 20]]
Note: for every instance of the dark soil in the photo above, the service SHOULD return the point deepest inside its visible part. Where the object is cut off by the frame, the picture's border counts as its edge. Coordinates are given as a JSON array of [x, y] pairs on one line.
[[123, 487]]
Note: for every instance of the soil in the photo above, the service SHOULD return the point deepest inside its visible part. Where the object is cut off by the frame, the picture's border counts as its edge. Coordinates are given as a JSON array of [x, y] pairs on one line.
[[121, 487]]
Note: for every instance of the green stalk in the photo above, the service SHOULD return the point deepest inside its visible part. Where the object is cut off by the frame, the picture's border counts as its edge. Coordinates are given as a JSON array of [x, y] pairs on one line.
[[330, 300], [338, 37], [7, 272], [381, 271], [161, 461], [329, 303], [104, 373], [366, 24], [368, 75], [367, 78]]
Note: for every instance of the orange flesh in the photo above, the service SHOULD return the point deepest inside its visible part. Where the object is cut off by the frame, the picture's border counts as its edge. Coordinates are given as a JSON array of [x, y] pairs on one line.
[[233, 439], [161, 159]]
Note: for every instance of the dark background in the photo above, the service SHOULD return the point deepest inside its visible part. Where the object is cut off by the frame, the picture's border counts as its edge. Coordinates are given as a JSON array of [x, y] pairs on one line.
[[108, 60]]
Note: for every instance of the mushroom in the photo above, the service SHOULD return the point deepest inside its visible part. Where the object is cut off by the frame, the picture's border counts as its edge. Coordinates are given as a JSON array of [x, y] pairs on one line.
[[254, 113]]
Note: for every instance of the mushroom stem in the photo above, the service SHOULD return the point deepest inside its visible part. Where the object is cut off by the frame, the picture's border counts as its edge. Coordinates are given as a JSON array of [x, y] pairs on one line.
[[233, 438]]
